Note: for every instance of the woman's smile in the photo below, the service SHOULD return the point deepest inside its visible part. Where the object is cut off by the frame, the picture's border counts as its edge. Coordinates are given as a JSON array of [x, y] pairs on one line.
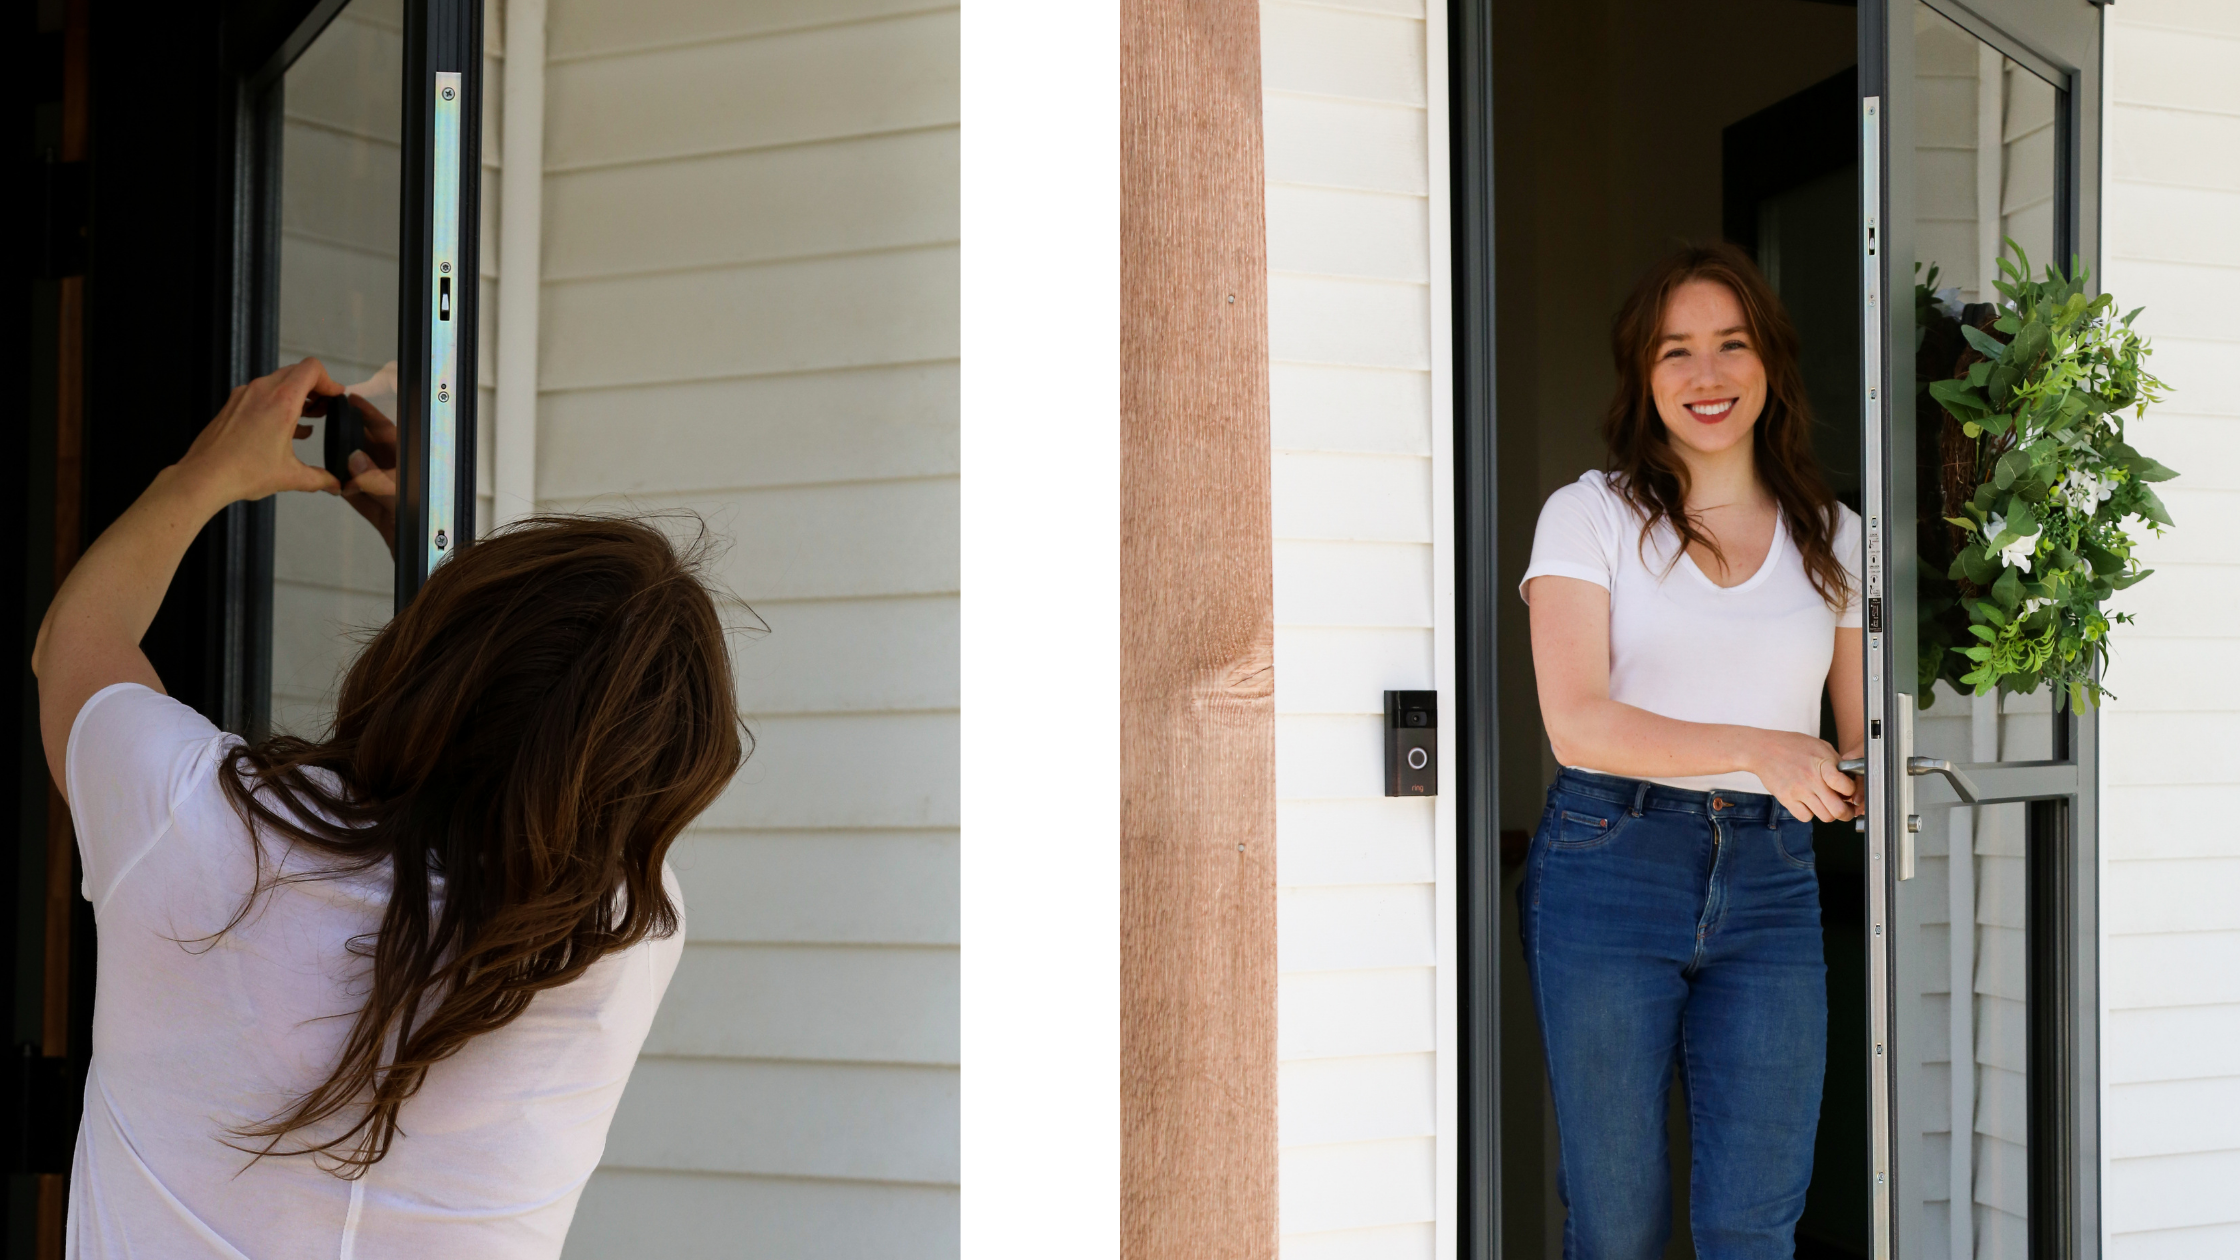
[[1704, 372]]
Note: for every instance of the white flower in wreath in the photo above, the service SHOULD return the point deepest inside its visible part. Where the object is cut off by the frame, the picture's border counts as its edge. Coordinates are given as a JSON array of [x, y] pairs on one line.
[[2084, 491], [2016, 554]]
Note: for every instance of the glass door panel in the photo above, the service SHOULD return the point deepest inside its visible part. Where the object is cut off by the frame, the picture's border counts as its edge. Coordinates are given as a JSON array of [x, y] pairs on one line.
[[1984, 174], [1980, 830], [333, 576]]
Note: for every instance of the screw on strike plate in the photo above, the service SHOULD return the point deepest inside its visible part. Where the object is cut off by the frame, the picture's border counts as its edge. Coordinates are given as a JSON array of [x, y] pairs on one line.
[[443, 540], [445, 269], [442, 394], [448, 93]]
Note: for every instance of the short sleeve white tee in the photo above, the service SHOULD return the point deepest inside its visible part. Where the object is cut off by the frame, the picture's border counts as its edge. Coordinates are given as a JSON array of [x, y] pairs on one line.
[[193, 1036], [1755, 654]]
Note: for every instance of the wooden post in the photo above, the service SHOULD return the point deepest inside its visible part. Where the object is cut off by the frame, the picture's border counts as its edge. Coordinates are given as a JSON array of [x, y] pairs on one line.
[[1197, 696]]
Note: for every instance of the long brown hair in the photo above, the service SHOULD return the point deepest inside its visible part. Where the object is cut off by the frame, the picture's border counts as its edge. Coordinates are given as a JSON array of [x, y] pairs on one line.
[[1651, 475], [518, 747]]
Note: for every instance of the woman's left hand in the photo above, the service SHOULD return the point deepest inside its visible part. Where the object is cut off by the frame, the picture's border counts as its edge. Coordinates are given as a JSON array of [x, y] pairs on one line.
[[248, 451]]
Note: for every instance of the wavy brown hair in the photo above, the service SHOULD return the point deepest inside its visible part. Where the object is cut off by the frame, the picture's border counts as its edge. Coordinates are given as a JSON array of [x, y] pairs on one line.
[[1651, 474], [518, 748]]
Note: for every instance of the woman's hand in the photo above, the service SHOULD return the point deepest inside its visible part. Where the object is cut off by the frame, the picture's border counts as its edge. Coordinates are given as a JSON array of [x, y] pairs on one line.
[[1800, 772], [248, 451]]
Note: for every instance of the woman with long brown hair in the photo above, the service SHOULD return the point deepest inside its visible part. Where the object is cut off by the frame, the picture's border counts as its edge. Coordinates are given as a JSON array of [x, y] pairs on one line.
[[1691, 603], [377, 994]]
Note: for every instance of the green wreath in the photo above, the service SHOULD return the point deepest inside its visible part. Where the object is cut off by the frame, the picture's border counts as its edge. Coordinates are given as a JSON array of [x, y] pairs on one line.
[[2037, 487]]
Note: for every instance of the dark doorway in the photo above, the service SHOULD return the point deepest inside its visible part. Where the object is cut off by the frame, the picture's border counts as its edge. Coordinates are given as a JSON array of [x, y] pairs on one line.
[[129, 327], [1607, 151]]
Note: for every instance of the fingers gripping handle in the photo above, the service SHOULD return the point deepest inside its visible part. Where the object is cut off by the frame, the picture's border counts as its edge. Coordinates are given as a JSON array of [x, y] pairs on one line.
[[1953, 774]]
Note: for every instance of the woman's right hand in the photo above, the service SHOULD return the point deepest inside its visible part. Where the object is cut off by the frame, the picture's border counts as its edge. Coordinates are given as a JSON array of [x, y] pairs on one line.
[[1800, 772], [248, 451]]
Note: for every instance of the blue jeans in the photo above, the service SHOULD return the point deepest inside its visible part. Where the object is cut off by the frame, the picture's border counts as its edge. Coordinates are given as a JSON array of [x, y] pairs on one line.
[[1658, 925]]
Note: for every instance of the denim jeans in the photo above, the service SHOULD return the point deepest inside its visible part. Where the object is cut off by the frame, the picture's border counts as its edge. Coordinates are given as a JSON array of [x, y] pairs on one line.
[[1664, 925]]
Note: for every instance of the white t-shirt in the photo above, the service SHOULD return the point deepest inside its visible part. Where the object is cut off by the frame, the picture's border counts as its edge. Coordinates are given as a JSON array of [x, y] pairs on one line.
[[193, 1037], [1756, 654]]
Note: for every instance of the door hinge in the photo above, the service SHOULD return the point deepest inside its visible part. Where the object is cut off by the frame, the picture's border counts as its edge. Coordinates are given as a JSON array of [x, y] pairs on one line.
[[44, 1100]]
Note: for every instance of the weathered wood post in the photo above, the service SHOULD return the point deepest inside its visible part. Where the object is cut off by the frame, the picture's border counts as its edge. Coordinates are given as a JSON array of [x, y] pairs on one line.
[[1197, 708]]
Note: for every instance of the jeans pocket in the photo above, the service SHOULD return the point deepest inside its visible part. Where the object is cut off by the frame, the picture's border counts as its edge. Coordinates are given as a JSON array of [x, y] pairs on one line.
[[1585, 825], [1794, 840]]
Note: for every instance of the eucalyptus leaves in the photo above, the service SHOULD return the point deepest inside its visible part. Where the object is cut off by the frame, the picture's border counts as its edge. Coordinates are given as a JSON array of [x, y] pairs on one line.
[[2038, 487]]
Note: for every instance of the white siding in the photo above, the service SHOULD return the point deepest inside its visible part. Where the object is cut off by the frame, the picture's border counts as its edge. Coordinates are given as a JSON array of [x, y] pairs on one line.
[[2170, 900], [750, 310], [1356, 316]]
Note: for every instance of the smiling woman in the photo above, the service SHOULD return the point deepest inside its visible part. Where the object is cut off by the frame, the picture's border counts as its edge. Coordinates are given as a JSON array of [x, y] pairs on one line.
[[1690, 605]]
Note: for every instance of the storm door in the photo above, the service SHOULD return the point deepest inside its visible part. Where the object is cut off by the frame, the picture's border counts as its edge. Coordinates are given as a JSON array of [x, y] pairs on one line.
[[366, 162], [1979, 130]]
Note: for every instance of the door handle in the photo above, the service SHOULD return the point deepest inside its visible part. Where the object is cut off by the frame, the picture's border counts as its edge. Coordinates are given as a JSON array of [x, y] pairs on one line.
[[1958, 778], [1953, 774], [1923, 765]]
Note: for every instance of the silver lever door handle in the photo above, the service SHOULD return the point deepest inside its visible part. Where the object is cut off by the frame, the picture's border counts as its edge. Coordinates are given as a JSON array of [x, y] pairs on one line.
[[1961, 783]]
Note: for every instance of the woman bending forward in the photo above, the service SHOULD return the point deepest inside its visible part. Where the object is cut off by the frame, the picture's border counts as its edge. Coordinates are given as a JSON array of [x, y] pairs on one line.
[[1688, 607], [376, 996]]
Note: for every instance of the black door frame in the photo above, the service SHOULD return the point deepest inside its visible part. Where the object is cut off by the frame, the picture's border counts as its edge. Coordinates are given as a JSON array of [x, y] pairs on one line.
[[2064, 982], [1470, 79], [439, 36]]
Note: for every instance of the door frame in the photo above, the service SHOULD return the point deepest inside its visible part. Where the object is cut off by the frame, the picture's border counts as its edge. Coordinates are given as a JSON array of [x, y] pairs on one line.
[[437, 33], [1479, 920], [2064, 968]]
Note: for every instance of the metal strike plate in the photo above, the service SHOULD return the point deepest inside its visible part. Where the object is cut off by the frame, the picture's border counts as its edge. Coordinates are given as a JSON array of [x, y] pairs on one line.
[[443, 341]]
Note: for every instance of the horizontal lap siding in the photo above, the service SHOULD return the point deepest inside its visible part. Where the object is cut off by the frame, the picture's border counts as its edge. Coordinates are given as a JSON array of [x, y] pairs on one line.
[[2170, 894], [749, 314], [1350, 342]]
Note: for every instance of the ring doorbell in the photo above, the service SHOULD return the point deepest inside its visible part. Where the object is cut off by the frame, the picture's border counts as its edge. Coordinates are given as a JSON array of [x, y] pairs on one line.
[[1411, 743]]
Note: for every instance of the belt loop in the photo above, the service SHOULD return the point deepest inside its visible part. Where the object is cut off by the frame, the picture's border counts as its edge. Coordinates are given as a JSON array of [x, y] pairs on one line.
[[1773, 814], [1640, 794]]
